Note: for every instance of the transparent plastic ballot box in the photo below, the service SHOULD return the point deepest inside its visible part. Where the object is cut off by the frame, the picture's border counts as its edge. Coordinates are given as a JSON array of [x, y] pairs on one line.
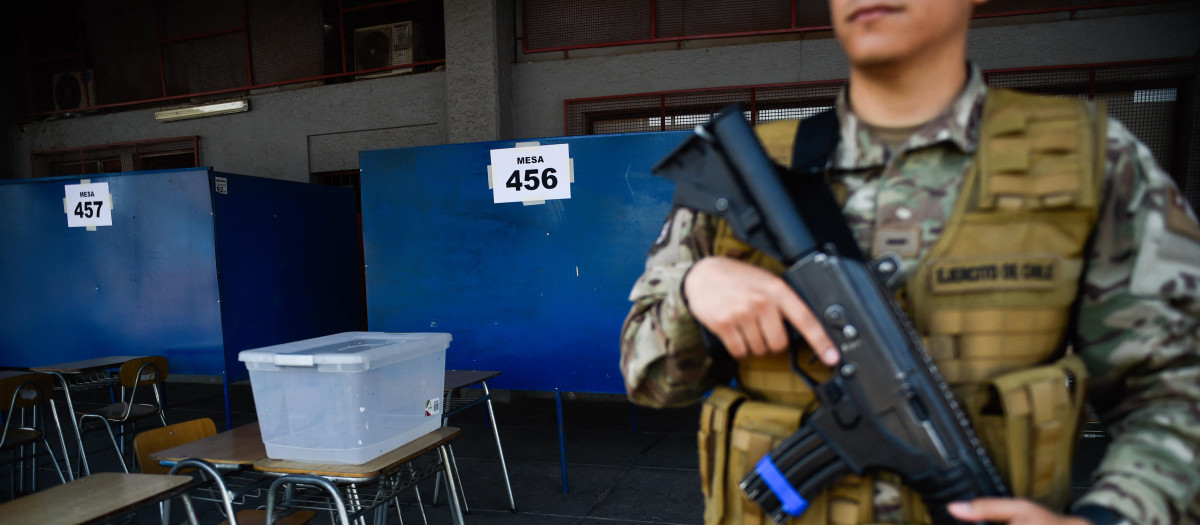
[[347, 398]]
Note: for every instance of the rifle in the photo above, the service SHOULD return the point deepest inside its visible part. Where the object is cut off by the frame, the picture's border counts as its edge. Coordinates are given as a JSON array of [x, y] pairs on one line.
[[886, 406]]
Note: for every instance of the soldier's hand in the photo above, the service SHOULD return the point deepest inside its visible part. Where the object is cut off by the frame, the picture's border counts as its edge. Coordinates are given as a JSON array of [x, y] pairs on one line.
[[1011, 511], [745, 306]]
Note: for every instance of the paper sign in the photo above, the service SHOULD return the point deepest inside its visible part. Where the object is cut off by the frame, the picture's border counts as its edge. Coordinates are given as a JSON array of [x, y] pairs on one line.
[[88, 205], [531, 173]]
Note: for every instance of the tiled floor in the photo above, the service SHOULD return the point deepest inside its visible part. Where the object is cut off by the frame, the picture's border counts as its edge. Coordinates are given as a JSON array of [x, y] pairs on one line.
[[614, 474]]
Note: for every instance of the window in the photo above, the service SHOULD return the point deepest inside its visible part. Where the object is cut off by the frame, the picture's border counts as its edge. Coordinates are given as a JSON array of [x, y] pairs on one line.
[[180, 152]]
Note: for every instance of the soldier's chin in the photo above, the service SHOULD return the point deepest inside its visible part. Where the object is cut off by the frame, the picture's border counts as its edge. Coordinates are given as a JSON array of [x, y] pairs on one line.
[[870, 59]]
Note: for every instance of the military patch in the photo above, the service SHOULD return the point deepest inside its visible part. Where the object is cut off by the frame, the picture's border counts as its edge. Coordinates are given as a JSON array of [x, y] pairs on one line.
[[905, 242], [1179, 218], [958, 275]]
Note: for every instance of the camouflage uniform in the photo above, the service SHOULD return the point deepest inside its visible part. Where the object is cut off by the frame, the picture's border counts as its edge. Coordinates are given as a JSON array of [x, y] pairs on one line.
[[1139, 319]]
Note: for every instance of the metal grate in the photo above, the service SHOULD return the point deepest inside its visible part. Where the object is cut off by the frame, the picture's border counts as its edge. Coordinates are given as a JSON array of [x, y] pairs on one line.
[[296, 27], [204, 65], [564, 24], [681, 18], [1190, 98], [163, 50], [560, 25], [550, 23], [1155, 100], [179, 152]]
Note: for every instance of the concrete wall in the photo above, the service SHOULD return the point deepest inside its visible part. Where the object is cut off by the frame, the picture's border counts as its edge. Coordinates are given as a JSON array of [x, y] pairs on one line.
[[473, 65], [274, 138], [489, 91], [540, 87]]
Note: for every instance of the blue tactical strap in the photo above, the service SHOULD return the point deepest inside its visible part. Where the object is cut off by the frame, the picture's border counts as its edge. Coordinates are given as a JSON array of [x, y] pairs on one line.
[[793, 503]]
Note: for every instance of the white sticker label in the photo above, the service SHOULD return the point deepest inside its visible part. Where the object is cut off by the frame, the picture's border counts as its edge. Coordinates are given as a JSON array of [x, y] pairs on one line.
[[531, 173], [222, 185], [433, 407], [88, 205]]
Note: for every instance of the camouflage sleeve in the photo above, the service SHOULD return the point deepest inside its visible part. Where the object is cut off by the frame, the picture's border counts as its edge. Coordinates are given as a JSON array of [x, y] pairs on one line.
[[663, 358], [1139, 333]]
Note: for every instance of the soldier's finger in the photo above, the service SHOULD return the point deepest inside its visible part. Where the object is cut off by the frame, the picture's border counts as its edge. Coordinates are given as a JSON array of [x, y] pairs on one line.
[[988, 509], [803, 320], [731, 337], [774, 333], [753, 338]]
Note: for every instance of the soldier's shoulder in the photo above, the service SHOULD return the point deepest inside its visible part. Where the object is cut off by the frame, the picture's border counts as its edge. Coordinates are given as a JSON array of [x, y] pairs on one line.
[[1129, 165]]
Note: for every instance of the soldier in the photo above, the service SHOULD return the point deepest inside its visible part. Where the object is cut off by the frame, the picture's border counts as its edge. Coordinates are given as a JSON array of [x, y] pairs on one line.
[[1093, 244]]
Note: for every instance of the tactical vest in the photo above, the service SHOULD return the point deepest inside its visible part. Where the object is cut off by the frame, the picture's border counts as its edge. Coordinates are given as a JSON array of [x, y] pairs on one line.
[[992, 299]]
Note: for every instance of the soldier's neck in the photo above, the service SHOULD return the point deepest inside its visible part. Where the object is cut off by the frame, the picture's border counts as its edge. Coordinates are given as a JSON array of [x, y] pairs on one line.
[[907, 93]]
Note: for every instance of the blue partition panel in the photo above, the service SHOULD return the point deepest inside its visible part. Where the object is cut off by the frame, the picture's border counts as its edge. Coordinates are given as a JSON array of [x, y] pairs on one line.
[[538, 292], [290, 264], [145, 285], [184, 271]]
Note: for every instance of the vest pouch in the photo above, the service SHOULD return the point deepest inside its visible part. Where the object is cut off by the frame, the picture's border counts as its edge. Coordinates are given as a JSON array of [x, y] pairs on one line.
[[716, 417], [757, 428], [1029, 420]]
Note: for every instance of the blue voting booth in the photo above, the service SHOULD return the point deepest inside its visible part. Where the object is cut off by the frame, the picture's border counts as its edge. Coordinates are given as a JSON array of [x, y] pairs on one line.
[[537, 291], [196, 265]]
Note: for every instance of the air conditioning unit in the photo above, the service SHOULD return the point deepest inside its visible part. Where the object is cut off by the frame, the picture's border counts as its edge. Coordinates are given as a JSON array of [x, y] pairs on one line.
[[74, 90], [386, 45]]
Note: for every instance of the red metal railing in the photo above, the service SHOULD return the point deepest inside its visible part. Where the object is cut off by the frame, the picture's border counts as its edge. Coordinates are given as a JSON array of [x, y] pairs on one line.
[[563, 25], [124, 156], [243, 28]]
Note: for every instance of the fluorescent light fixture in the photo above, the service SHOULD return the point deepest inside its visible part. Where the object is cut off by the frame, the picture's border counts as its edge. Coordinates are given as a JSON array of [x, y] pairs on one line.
[[206, 110]]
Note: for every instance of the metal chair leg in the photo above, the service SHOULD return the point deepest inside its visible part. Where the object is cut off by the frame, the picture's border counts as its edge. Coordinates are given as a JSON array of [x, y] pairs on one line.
[[50, 450], [455, 509], [314, 481], [437, 485], [420, 505], [111, 437], [356, 504], [458, 479], [512, 505], [21, 468], [12, 478], [33, 464], [61, 440]]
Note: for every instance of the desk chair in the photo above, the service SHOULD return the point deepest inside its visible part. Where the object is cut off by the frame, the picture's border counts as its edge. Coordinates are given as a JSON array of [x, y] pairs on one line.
[[150, 373], [150, 441], [154, 440], [21, 393]]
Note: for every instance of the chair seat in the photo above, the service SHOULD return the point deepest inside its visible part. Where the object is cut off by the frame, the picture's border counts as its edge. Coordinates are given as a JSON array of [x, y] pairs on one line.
[[259, 517], [116, 411], [20, 436]]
